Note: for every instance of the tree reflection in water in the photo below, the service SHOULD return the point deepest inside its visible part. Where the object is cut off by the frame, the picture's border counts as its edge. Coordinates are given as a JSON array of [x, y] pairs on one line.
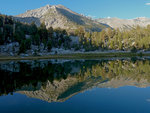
[[57, 80]]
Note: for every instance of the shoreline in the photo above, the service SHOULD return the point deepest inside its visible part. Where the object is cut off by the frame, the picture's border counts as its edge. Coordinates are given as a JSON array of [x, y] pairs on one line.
[[76, 56]]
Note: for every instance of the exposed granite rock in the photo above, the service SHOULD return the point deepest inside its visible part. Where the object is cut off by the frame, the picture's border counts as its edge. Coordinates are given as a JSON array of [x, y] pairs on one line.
[[125, 23], [59, 16], [62, 90]]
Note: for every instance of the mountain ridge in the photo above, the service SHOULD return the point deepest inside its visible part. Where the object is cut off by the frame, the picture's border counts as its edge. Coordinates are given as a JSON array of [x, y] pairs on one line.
[[65, 89], [59, 16], [125, 23]]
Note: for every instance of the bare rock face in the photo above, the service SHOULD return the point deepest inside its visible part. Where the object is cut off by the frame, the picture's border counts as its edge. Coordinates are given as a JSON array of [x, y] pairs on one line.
[[125, 23], [121, 82], [59, 16], [51, 92], [60, 91]]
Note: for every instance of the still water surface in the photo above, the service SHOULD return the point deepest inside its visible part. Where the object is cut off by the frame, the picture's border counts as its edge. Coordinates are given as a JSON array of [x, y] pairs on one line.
[[75, 86]]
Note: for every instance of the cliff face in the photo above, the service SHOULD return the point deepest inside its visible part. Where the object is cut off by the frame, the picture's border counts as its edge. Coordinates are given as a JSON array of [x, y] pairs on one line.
[[59, 16]]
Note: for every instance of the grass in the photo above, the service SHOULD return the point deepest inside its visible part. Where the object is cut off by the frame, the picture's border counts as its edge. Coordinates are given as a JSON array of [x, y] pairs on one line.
[[75, 56]]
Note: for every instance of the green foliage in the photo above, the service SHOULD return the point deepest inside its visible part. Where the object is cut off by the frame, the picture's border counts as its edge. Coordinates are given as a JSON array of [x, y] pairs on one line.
[[19, 35], [25, 45], [22, 48], [28, 43], [1, 21], [36, 39], [33, 29], [43, 33], [80, 32], [133, 40], [50, 32], [137, 38], [49, 45], [99, 71], [134, 50]]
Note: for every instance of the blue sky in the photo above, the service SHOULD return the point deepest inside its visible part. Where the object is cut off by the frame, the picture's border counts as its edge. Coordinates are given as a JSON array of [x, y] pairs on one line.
[[96, 8]]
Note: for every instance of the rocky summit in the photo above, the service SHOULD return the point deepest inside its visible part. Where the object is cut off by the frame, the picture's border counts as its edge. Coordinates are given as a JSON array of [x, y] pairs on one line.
[[59, 16]]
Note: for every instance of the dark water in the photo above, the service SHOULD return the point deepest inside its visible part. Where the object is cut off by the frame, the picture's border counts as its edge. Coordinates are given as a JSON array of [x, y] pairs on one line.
[[75, 86]]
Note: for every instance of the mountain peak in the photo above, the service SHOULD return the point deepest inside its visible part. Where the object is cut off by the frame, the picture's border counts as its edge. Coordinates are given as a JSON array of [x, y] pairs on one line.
[[48, 5], [59, 16], [53, 6]]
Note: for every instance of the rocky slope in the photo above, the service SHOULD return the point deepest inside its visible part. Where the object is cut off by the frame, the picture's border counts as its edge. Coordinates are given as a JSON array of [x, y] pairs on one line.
[[59, 80], [59, 16], [125, 23], [62, 90]]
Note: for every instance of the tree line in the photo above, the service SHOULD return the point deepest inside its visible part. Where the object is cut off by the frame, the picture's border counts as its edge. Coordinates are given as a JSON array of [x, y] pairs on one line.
[[28, 34], [137, 38], [29, 73]]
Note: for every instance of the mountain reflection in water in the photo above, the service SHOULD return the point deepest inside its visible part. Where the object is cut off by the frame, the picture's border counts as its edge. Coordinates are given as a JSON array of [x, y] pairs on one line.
[[58, 80]]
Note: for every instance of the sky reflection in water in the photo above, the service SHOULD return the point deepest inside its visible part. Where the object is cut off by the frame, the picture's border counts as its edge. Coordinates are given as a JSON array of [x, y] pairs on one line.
[[75, 86]]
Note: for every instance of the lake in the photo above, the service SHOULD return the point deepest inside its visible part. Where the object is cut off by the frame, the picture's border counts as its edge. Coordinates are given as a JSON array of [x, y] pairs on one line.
[[114, 85]]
